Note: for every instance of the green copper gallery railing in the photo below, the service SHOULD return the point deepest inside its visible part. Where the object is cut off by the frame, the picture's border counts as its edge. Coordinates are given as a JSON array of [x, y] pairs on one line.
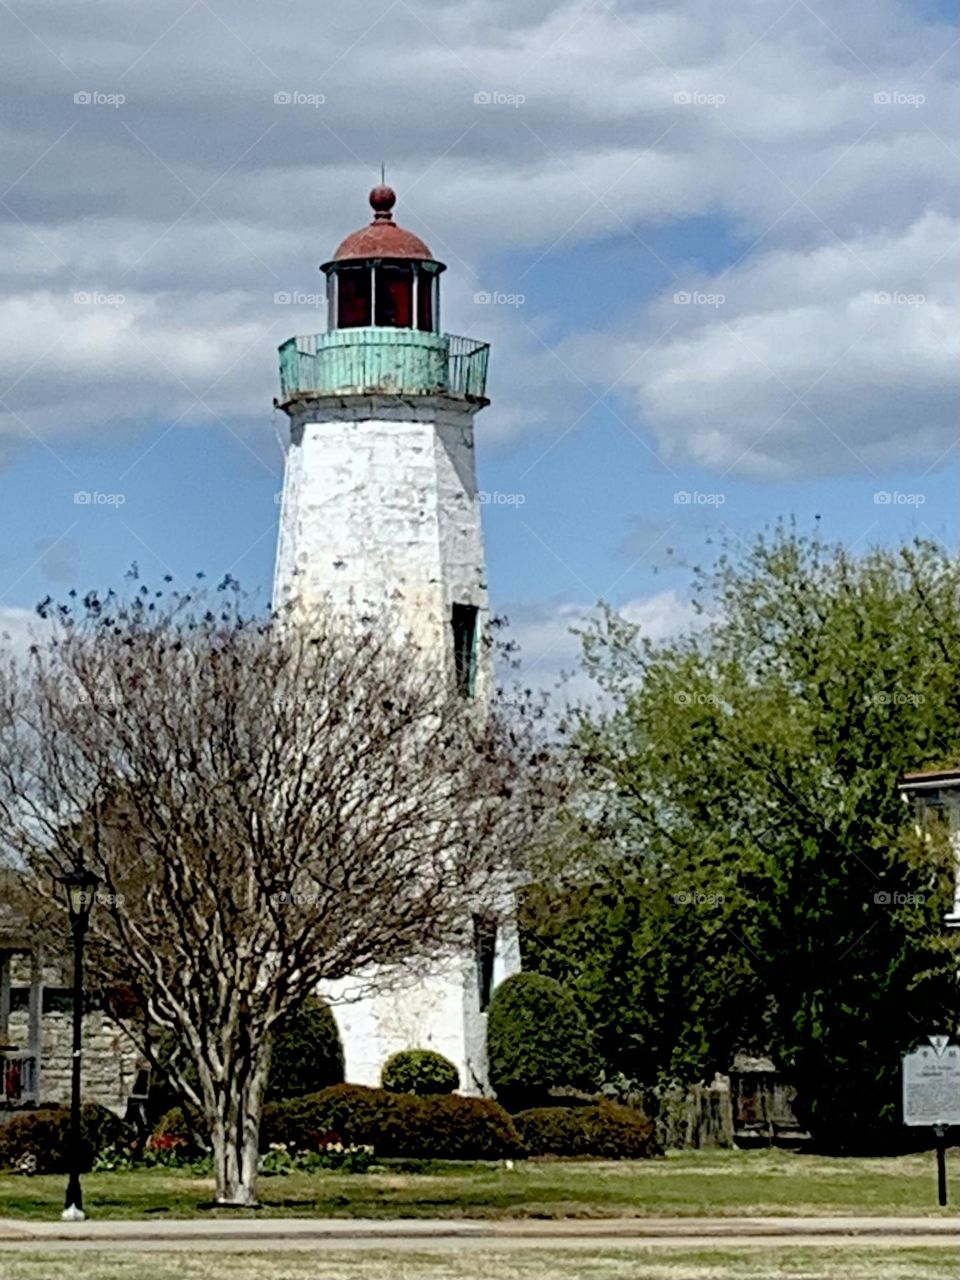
[[403, 362]]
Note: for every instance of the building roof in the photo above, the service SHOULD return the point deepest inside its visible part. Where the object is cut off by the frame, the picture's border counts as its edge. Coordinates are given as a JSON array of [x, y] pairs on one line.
[[922, 778], [382, 238]]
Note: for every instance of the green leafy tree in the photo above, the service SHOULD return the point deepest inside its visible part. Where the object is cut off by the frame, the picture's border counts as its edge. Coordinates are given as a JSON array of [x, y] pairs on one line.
[[747, 873]]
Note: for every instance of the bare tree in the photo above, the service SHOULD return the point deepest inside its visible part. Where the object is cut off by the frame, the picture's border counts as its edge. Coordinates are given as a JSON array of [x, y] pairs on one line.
[[268, 807]]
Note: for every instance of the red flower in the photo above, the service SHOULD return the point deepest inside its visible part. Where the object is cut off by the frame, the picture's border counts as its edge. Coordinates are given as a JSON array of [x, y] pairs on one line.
[[167, 1142]]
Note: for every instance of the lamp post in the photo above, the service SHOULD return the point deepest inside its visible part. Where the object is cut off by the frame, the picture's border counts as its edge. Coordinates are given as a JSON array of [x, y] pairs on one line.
[[80, 885]]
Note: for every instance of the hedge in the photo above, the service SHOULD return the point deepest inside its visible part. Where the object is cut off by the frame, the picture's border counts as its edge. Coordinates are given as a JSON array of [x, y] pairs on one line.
[[602, 1129], [44, 1134], [439, 1127], [420, 1071]]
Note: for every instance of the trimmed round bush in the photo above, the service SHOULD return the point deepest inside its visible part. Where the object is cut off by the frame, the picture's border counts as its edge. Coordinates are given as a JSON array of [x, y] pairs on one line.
[[537, 1039], [602, 1129], [307, 1052], [44, 1135], [419, 1071], [438, 1127]]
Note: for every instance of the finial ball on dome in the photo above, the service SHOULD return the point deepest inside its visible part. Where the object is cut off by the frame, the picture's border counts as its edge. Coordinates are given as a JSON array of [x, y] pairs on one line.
[[383, 198]]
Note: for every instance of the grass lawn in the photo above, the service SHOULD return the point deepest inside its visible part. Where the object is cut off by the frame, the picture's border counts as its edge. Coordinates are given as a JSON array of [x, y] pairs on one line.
[[684, 1183], [606, 1264]]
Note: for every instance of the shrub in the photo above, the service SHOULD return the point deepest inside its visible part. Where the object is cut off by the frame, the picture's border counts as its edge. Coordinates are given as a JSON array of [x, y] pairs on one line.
[[307, 1056], [455, 1128], [440, 1127], [178, 1136], [537, 1039], [420, 1071], [307, 1052], [346, 1112], [41, 1139], [601, 1129]]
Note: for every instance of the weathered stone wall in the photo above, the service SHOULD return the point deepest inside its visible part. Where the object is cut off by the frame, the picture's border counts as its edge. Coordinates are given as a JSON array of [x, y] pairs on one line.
[[381, 519], [380, 516], [435, 1009], [109, 1062]]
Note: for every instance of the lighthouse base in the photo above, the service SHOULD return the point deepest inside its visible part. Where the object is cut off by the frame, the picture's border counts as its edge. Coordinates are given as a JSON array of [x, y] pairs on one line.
[[443, 1009]]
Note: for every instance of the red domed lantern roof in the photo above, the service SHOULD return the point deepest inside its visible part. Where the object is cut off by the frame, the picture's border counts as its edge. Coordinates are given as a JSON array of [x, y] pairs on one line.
[[383, 238]]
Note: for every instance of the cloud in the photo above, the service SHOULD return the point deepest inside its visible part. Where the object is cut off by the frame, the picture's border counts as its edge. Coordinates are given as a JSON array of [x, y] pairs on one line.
[[839, 358], [18, 629], [199, 196], [549, 650]]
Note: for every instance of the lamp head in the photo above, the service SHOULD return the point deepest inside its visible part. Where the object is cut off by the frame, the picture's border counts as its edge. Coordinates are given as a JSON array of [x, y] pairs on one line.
[[81, 887]]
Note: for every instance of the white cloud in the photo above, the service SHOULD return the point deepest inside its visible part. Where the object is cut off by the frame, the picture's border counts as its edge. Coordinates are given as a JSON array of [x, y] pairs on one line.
[[549, 650], [199, 197], [840, 358], [19, 628]]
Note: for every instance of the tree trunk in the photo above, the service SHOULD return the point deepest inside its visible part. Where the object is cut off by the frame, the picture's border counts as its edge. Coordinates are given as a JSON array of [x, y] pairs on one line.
[[234, 1136]]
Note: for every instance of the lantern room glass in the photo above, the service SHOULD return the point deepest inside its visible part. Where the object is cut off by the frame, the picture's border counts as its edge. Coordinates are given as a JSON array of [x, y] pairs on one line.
[[385, 294], [354, 296]]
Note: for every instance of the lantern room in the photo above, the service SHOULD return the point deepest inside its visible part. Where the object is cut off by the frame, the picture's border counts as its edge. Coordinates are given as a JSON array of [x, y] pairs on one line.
[[383, 276]]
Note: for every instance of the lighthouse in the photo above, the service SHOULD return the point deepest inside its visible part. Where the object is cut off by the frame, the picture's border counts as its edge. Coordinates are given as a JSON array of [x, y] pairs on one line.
[[380, 523]]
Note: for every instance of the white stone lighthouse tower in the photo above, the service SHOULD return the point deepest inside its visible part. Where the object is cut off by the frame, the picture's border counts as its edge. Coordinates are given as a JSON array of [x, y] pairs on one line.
[[381, 518]]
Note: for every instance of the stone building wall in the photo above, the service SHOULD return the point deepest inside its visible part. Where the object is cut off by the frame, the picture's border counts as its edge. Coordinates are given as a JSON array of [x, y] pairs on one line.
[[110, 1059], [109, 1063], [381, 517]]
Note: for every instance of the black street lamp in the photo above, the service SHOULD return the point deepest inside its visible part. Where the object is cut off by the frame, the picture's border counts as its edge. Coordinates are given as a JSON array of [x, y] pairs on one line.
[[81, 886]]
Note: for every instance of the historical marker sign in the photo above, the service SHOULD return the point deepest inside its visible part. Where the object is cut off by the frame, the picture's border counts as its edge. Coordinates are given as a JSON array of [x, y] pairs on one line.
[[931, 1086]]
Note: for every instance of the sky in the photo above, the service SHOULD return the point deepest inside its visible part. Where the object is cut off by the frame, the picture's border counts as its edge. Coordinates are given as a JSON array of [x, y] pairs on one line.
[[714, 249]]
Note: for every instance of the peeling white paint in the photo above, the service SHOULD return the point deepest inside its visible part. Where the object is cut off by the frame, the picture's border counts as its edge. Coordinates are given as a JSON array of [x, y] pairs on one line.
[[381, 516]]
